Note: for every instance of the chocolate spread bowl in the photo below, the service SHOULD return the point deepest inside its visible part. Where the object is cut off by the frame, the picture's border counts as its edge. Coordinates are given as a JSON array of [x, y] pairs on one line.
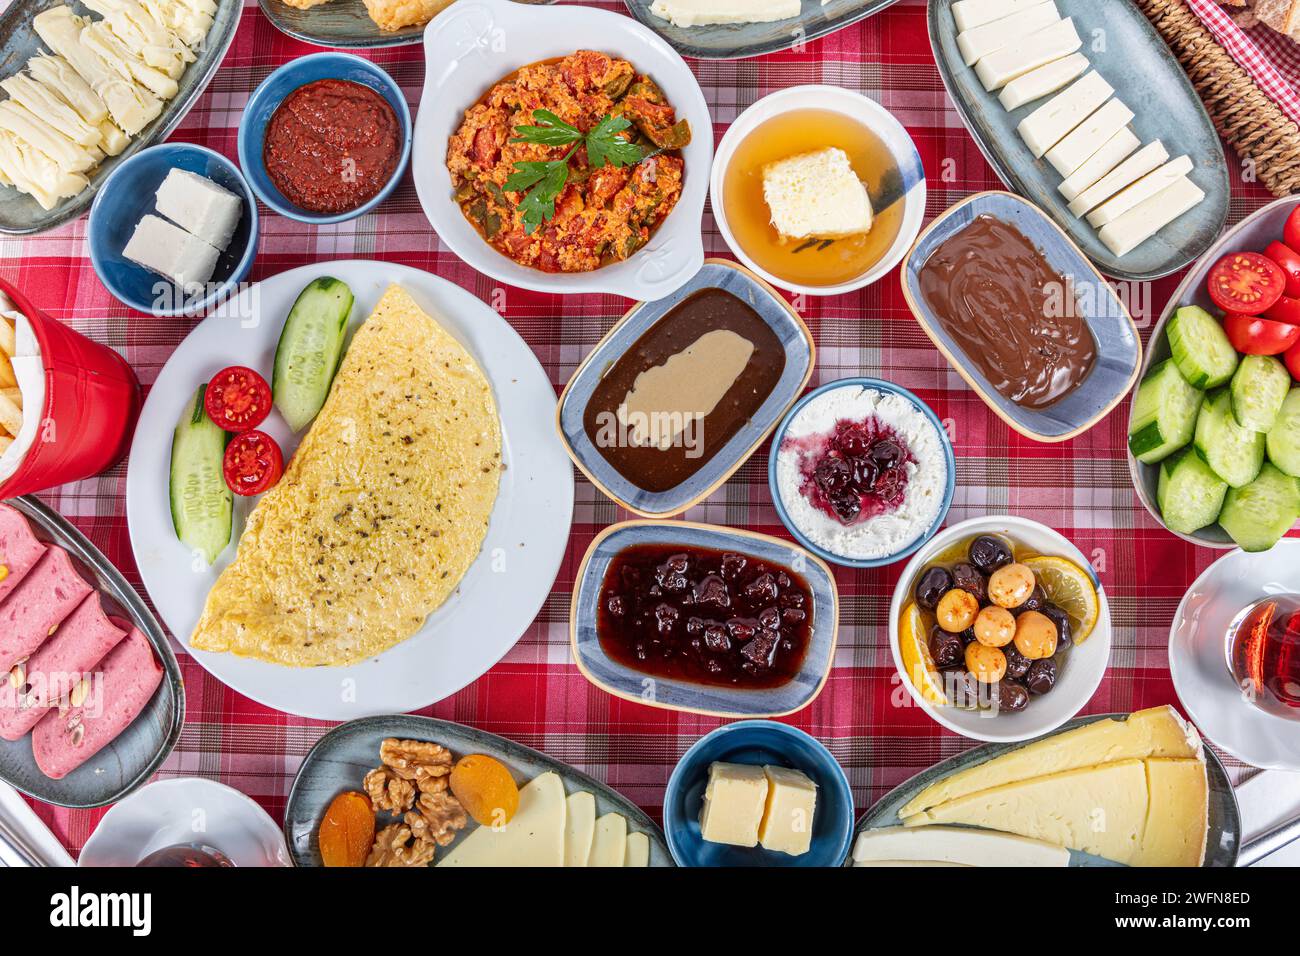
[[1118, 349]]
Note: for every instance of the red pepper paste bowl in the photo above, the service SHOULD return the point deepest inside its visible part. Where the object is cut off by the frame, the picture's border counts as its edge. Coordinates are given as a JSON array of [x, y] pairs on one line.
[[322, 187]]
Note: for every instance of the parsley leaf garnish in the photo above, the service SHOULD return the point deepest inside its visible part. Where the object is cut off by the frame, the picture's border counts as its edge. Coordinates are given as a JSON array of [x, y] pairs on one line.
[[545, 180]]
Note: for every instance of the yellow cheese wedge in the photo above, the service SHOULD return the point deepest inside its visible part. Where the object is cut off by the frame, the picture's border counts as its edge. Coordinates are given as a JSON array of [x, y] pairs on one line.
[[1100, 810], [609, 842], [638, 850], [533, 837], [579, 828], [1178, 817], [1158, 732]]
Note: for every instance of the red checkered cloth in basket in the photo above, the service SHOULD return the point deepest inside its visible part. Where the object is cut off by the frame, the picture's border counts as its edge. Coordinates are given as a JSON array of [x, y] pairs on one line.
[[536, 695], [1271, 59]]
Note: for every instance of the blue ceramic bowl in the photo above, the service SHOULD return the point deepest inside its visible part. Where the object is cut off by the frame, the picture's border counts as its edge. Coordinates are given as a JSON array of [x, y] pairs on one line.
[[1119, 350], [622, 681], [758, 742], [129, 194], [949, 461], [271, 93]]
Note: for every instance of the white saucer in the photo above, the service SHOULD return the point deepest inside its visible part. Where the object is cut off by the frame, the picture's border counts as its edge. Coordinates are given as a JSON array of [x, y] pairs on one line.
[[1198, 657], [187, 810]]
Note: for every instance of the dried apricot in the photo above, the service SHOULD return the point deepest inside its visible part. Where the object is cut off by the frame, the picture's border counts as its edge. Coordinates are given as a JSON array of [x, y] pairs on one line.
[[347, 831], [485, 789]]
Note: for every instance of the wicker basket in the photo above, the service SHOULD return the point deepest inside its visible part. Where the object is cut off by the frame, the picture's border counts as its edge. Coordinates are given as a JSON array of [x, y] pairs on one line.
[[1250, 122]]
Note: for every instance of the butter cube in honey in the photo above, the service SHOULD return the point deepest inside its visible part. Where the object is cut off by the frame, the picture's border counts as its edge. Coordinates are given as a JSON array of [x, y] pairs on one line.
[[733, 804], [788, 814], [816, 195]]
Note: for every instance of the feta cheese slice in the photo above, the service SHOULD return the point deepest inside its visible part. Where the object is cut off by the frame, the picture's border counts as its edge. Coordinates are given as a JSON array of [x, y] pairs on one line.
[[1126, 173], [1078, 147], [1100, 163], [696, 13], [1028, 53], [170, 251], [1038, 83], [200, 206], [969, 14], [816, 195], [1150, 184], [1125, 233], [983, 40], [1046, 126]]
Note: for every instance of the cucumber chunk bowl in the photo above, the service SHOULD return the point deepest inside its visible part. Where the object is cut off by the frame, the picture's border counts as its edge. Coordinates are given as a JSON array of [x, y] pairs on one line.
[[1214, 434]]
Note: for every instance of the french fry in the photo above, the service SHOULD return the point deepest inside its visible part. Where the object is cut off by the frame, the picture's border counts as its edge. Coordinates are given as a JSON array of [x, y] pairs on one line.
[[14, 395], [7, 343], [11, 416], [7, 379], [5, 442]]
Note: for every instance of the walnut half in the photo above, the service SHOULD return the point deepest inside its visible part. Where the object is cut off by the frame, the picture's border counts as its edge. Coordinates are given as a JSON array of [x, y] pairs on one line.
[[388, 791], [438, 815], [393, 848], [415, 759]]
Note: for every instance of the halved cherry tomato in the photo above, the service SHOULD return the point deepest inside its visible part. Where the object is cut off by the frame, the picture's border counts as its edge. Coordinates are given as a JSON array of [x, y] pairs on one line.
[[1289, 261], [1291, 231], [1252, 335], [253, 463], [237, 399], [1285, 309], [1292, 359], [1245, 282]]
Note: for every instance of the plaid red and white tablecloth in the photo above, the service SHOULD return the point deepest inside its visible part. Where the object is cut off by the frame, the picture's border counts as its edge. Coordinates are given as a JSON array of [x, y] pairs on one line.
[[536, 695]]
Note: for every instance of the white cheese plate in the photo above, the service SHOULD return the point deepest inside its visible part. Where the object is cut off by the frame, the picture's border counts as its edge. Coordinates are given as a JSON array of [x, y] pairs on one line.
[[521, 554]]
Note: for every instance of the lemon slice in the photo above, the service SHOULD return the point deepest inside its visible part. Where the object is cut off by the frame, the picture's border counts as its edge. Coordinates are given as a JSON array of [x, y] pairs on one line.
[[918, 665], [1070, 588]]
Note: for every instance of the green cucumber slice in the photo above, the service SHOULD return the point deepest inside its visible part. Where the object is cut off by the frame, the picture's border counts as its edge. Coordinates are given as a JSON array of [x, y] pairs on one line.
[[1259, 388], [1283, 440], [1201, 348], [1234, 453], [1189, 493], [310, 349], [1257, 515], [1164, 414], [201, 502]]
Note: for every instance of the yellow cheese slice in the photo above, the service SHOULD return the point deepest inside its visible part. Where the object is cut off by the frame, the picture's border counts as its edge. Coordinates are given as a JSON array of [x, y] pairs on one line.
[[1178, 815], [1158, 732], [1100, 810], [638, 850], [609, 843], [533, 837], [579, 828]]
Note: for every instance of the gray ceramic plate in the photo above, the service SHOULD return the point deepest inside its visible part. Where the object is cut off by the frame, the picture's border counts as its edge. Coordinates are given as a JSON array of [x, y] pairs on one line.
[[1252, 234], [734, 41], [343, 756], [133, 757], [622, 681], [20, 214], [1222, 845], [1146, 77], [342, 24], [784, 322], [1119, 350]]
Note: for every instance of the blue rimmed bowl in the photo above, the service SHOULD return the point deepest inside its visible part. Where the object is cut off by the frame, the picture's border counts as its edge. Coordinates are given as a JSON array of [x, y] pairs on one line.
[[799, 355], [1119, 349], [268, 96], [622, 681], [758, 742], [950, 464], [129, 194]]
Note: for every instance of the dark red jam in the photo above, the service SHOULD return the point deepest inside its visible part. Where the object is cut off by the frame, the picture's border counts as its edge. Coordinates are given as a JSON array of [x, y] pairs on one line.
[[705, 616], [855, 472]]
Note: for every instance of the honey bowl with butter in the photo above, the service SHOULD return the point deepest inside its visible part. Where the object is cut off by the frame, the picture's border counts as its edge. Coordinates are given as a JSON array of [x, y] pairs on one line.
[[818, 189]]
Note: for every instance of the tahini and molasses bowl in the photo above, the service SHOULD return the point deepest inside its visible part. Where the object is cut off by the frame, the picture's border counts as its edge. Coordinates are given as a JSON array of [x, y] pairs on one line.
[[709, 700]]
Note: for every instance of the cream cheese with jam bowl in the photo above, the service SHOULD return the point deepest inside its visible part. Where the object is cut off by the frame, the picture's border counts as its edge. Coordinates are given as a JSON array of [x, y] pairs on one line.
[[861, 472]]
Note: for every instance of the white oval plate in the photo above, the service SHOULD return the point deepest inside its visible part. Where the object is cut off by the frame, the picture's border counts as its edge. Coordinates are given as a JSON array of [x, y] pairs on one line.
[[473, 45], [1198, 657], [187, 810], [525, 543]]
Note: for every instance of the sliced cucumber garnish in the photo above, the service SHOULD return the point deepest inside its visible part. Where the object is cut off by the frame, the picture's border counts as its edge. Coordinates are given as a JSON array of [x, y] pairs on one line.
[[1201, 348], [1189, 494], [1257, 515], [200, 501], [1259, 388], [310, 349], [1164, 414], [1234, 453]]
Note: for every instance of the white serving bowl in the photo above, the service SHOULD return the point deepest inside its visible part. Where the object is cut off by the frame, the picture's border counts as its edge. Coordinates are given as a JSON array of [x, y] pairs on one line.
[[865, 111], [472, 46], [1084, 666]]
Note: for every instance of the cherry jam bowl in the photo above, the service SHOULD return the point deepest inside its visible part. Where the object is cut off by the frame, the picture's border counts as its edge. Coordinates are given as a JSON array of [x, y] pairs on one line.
[[923, 534]]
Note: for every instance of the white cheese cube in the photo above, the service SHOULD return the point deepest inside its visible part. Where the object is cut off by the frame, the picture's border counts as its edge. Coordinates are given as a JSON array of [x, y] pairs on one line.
[[1028, 53], [817, 195], [1150, 184], [973, 13], [1046, 126], [1144, 220], [170, 251], [696, 13], [1086, 138], [1100, 163], [788, 816], [200, 206], [734, 800], [1038, 83], [979, 42], [1130, 171]]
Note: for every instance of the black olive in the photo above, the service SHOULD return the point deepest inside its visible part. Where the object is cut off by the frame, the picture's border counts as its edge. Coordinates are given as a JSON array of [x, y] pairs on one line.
[[966, 577], [1010, 696], [1036, 601], [989, 553], [933, 584], [946, 649], [1017, 663], [1042, 676], [1063, 625]]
